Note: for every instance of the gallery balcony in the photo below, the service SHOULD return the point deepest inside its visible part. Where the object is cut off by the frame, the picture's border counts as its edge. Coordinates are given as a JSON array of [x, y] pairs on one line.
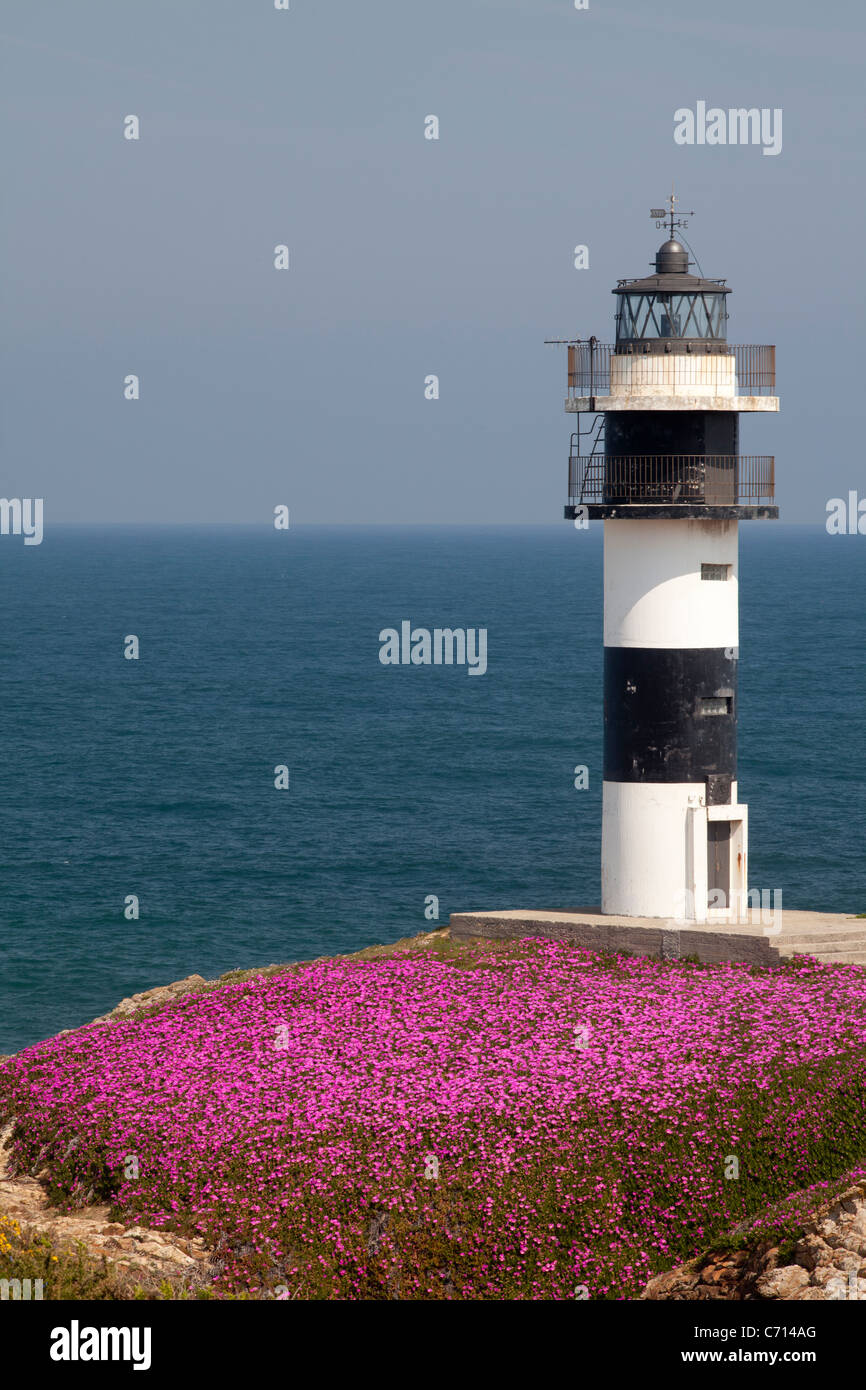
[[715, 486], [671, 374]]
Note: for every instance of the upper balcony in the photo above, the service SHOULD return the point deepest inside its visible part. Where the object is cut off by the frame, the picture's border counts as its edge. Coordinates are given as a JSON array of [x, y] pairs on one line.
[[666, 374]]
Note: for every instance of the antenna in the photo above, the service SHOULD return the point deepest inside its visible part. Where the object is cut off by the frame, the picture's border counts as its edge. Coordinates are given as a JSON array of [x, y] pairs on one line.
[[661, 215]]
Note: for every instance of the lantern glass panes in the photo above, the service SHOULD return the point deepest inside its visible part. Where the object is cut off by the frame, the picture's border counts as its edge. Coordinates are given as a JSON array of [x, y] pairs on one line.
[[671, 316]]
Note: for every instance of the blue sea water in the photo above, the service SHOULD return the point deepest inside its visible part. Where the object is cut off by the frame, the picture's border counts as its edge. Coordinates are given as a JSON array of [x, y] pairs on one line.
[[257, 648]]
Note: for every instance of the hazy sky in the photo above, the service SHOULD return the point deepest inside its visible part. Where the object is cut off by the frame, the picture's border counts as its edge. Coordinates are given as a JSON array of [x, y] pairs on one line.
[[409, 256]]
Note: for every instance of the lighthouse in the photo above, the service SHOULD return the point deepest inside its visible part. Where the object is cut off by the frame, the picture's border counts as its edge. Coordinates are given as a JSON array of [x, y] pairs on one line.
[[656, 457]]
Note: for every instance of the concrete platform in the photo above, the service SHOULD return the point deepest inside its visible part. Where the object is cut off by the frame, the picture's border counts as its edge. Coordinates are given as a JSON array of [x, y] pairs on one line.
[[676, 511], [830, 936], [664, 398]]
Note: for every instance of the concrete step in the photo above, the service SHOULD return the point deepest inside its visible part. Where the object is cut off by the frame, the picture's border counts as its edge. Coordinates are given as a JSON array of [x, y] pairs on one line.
[[825, 934], [852, 956], [827, 951], [817, 943]]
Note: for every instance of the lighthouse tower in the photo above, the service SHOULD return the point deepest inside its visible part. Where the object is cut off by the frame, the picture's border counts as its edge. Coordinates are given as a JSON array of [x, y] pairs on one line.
[[656, 457]]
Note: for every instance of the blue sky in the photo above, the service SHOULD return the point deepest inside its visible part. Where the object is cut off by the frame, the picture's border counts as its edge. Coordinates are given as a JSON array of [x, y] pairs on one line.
[[408, 256]]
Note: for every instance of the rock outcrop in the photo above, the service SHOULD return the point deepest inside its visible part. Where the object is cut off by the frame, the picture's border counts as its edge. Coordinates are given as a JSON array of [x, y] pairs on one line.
[[827, 1262], [150, 998], [144, 1257]]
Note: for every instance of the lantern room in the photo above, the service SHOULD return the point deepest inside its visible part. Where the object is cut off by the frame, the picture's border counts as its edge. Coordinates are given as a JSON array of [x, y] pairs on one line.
[[669, 307]]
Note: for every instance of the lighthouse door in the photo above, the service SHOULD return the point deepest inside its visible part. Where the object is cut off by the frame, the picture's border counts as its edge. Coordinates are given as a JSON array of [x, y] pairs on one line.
[[719, 856]]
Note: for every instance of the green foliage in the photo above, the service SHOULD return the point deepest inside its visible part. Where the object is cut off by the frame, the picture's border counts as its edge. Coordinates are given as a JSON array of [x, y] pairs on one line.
[[65, 1274]]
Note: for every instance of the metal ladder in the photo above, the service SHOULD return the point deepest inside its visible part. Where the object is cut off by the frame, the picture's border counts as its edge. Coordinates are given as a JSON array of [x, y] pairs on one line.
[[597, 442]]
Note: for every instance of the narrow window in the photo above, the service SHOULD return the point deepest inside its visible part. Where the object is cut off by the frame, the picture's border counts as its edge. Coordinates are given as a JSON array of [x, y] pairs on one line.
[[715, 571], [714, 704]]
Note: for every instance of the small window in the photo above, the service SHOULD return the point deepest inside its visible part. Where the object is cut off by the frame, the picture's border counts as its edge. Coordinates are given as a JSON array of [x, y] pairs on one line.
[[714, 704], [715, 571]]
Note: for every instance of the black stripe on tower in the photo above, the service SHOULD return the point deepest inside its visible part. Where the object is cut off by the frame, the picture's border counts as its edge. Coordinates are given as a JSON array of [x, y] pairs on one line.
[[671, 432], [670, 715], [671, 455]]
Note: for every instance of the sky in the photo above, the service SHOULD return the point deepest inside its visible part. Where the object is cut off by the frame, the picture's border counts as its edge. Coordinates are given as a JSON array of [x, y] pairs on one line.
[[408, 257]]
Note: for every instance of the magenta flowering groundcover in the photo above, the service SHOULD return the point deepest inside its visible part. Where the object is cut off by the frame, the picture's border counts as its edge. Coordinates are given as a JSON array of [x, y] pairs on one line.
[[540, 1122]]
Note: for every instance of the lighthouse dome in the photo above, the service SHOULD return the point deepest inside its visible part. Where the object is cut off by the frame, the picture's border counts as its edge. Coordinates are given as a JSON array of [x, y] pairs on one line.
[[672, 258]]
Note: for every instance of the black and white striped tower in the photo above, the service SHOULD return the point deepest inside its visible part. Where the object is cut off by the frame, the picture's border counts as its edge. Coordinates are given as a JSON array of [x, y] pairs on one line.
[[656, 457]]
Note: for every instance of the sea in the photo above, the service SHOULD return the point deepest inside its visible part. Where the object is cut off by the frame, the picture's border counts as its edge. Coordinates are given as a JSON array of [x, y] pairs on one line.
[[151, 785]]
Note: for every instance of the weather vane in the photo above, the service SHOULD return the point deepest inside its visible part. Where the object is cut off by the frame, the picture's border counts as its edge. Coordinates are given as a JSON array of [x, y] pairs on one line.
[[662, 214]]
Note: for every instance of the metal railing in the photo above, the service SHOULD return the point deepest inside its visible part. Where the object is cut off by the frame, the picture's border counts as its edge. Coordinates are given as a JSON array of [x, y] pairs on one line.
[[667, 479], [680, 364]]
